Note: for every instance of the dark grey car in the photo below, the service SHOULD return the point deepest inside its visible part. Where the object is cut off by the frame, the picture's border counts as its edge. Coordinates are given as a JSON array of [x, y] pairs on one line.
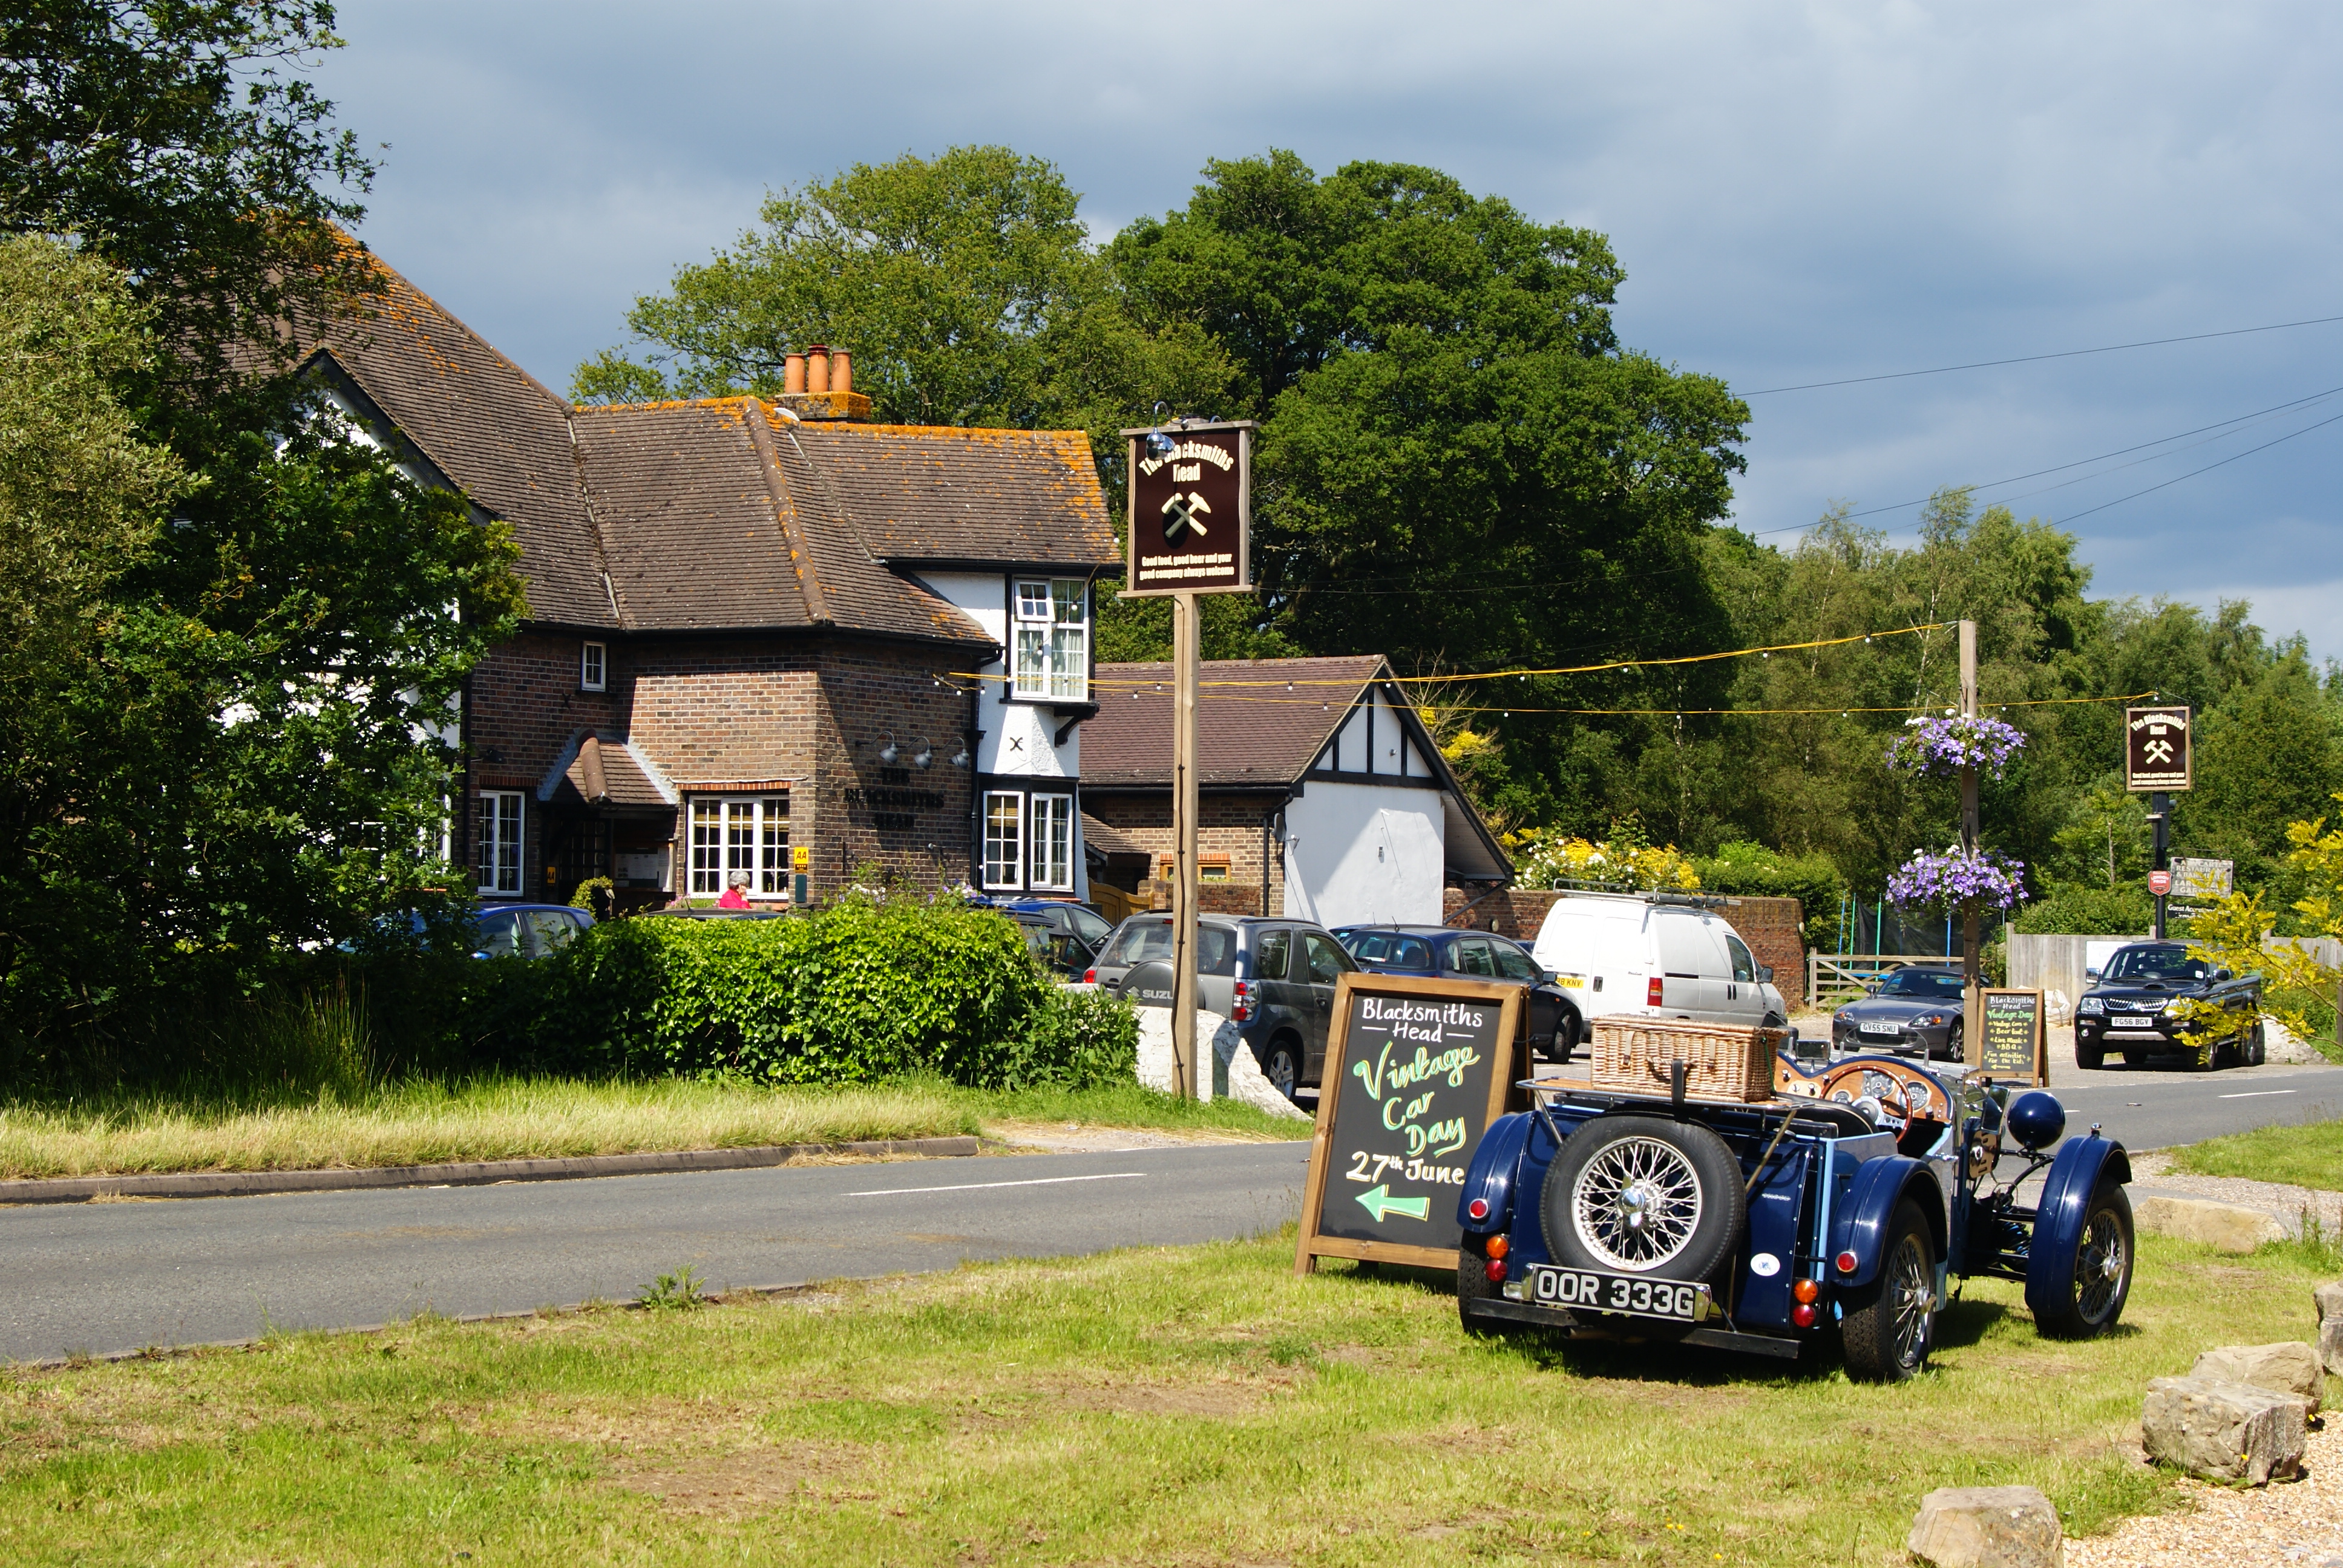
[[1913, 1012], [1272, 978]]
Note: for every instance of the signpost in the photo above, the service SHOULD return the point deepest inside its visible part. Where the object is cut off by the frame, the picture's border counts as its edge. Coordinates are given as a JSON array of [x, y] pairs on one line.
[[1189, 531], [1416, 1071], [2157, 759], [2014, 1042]]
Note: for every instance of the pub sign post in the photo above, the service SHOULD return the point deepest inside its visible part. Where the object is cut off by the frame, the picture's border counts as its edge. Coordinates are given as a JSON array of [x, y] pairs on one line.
[[2157, 760], [1189, 531]]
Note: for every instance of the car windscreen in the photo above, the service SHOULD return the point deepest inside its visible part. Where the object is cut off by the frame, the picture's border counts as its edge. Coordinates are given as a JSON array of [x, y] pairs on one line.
[[1389, 947], [1216, 946], [2155, 964], [1927, 985]]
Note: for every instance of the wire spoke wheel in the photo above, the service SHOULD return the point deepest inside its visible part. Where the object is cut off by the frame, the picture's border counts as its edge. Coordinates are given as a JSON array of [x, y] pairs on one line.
[[1911, 1293], [2102, 1265], [1636, 1204]]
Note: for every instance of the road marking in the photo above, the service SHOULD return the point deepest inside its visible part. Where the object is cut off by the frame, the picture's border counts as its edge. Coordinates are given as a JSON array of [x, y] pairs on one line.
[[973, 1186], [2258, 1094]]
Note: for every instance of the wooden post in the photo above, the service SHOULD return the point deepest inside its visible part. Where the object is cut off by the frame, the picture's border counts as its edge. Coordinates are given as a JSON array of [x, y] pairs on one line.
[[1972, 979], [1185, 638]]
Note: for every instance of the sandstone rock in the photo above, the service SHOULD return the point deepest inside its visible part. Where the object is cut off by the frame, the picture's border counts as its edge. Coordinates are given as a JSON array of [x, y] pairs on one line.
[[2223, 1430], [2287, 1368], [2330, 1345], [2231, 1227], [1986, 1527], [2280, 1045], [2330, 1302]]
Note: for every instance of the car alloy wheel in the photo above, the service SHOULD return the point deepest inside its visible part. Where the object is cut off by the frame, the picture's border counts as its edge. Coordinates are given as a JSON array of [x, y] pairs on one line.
[[1283, 1068], [1636, 1204]]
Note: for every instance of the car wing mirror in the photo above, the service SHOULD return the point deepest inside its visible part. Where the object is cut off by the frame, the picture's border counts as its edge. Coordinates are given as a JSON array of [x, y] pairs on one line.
[[1765, 974], [2222, 977]]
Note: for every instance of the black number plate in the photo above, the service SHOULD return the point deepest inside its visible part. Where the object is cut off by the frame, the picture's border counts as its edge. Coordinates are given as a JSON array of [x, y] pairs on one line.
[[1585, 1291]]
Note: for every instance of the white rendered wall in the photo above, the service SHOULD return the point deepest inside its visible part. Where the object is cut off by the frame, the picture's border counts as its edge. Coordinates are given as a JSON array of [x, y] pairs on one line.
[[1357, 853], [1017, 735]]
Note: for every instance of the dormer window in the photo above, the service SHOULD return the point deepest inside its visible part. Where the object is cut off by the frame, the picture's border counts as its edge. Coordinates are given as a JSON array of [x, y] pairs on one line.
[[593, 667], [1051, 637]]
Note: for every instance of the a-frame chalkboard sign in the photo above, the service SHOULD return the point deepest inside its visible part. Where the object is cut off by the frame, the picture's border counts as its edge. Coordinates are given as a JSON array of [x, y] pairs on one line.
[[1416, 1071]]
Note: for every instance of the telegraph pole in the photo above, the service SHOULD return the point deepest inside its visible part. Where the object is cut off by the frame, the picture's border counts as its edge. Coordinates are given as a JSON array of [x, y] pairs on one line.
[[1185, 659], [1972, 978]]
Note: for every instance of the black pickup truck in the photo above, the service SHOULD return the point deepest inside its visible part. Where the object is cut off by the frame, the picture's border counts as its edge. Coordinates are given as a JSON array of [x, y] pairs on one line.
[[2131, 1011]]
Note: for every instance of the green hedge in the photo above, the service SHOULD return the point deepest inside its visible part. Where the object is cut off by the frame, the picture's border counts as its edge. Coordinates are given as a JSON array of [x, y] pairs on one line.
[[866, 989], [1753, 871]]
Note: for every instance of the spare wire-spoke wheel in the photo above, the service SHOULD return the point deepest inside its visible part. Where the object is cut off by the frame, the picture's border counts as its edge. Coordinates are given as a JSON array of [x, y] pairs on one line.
[[1639, 1195]]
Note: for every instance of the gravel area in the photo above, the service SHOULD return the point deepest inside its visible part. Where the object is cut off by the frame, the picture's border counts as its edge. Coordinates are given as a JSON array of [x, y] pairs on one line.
[[2152, 1172], [2287, 1524]]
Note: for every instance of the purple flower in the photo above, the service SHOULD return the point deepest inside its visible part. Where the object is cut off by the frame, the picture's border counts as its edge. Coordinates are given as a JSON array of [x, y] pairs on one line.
[[1941, 746], [1953, 881]]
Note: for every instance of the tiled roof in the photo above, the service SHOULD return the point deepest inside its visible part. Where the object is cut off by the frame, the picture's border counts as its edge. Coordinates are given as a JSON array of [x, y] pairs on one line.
[[725, 514], [1245, 734], [610, 773], [1108, 840]]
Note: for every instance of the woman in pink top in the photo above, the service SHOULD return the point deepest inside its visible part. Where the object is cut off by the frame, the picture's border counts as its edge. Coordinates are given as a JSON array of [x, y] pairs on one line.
[[736, 892]]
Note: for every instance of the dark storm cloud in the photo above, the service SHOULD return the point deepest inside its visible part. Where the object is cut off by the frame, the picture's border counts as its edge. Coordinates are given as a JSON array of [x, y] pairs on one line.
[[1799, 194]]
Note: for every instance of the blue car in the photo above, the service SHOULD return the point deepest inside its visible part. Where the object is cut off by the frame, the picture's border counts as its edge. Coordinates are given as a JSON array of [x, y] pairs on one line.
[[1847, 1201], [1447, 952]]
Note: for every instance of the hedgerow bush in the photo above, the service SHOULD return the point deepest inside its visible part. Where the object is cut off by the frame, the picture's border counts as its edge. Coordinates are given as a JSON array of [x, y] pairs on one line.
[[869, 987]]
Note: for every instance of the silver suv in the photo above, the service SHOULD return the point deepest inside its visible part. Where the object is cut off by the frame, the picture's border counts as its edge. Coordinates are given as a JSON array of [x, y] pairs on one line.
[[1273, 979]]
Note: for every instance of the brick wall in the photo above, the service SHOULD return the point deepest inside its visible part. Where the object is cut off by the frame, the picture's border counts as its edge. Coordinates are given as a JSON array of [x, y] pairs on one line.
[[525, 706], [916, 822], [1770, 927], [1229, 824]]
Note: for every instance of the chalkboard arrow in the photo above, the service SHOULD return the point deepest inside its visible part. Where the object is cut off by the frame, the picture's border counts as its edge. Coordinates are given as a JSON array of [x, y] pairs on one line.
[[1378, 1201]]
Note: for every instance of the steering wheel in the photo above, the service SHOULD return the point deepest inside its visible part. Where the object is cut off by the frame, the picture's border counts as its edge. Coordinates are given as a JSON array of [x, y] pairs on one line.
[[1904, 1093]]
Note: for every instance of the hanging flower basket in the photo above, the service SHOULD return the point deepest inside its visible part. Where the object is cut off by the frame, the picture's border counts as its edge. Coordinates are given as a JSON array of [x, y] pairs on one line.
[[1955, 880], [1941, 746]]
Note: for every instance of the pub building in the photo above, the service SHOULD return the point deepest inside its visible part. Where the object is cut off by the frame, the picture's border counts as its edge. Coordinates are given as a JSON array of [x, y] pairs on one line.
[[765, 636]]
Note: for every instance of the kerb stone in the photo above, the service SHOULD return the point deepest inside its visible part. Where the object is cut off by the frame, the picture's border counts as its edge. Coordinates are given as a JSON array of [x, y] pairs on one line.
[[1986, 1527], [2287, 1368], [2231, 1227], [2223, 1430]]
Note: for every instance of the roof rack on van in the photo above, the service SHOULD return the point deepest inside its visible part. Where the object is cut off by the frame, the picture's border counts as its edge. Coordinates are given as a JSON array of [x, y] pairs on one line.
[[1697, 901], [1628, 889]]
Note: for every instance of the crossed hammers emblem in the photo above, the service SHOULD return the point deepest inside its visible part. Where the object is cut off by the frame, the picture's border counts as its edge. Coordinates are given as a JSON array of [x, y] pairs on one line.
[[1183, 511]]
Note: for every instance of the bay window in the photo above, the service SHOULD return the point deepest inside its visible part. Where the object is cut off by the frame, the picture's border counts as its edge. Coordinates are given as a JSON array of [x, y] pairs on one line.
[[1053, 638], [750, 834]]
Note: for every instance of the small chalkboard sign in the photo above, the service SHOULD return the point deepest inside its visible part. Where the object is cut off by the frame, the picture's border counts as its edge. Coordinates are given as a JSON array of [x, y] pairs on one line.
[[1416, 1071], [2012, 1039]]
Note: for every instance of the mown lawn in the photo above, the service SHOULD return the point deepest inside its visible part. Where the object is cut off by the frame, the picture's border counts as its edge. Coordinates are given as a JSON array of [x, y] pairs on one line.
[[2301, 1156], [1191, 1406], [494, 1118]]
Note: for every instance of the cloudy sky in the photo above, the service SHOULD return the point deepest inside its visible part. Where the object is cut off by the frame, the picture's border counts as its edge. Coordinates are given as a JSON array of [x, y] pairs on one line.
[[1799, 193]]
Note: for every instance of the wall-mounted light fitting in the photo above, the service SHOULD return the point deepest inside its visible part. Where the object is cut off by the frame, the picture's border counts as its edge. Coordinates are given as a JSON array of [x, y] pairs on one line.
[[889, 752], [925, 755]]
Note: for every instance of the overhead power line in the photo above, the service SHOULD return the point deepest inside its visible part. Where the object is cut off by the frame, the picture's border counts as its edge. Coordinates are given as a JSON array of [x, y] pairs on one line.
[[2036, 358]]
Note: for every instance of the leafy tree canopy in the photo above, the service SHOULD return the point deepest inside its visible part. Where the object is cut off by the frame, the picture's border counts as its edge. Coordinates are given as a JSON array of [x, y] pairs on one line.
[[171, 138]]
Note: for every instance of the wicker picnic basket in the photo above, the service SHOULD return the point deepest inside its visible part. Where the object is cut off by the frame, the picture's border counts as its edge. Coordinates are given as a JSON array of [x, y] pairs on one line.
[[1722, 1061]]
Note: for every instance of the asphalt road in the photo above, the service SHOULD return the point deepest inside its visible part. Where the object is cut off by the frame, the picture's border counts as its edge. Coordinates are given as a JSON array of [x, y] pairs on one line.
[[104, 1278]]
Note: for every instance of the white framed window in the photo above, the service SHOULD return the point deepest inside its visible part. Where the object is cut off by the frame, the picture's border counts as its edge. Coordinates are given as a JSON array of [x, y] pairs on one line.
[[593, 667], [745, 833], [1004, 839], [497, 870], [1054, 843], [1053, 638]]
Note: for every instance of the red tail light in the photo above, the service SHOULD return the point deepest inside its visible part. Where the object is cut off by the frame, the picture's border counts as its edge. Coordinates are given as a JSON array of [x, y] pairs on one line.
[[1846, 1262], [1652, 993], [1090, 977], [1479, 1209], [1496, 1272], [1241, 1010], [1804, 1315]]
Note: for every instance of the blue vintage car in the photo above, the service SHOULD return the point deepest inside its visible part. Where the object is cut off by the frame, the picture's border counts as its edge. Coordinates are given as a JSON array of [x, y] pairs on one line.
[[1845, 1203]]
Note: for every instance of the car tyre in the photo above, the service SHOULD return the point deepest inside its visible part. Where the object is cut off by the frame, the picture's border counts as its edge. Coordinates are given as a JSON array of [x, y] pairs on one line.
[[1640, 1195], [1474, 1284], [1283, 1065], [1953, 1042], [2256, 1045], [2095, 1295], [1890, 1325], [1565, 1035], [2090, 1057]]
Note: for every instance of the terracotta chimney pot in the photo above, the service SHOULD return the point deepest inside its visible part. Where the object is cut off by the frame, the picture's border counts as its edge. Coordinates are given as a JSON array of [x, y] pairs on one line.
[[818, 369], [793, 373], [841, 371]]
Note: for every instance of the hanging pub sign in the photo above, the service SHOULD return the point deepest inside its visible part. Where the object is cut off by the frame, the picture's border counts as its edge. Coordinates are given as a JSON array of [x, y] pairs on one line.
[[2156, 748], [1416, 1071], [1191, 520]]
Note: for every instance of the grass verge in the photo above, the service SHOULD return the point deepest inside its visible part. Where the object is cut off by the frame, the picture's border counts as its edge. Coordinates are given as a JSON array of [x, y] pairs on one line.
[[426, 1121], [1193, 1405], [2304, 1155]]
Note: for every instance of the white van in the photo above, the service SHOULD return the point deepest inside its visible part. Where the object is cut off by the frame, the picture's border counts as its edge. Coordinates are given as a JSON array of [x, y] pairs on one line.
[[1658, 956]]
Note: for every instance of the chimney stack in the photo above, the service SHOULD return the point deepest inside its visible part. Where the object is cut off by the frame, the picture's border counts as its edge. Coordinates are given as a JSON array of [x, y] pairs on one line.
[[818, 383]]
